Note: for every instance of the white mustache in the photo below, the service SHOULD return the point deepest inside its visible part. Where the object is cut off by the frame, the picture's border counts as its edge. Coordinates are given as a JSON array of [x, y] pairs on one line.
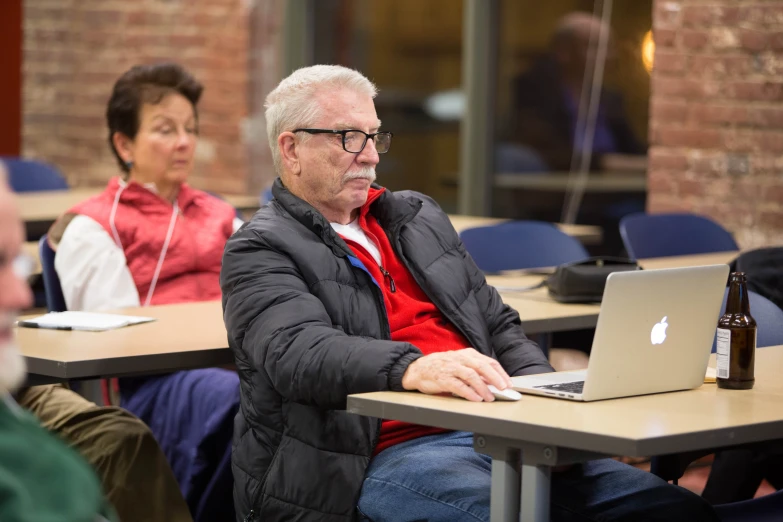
[[367, 173]]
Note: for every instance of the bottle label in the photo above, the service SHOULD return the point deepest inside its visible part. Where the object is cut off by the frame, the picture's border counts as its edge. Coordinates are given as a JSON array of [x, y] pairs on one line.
[[723, 352]]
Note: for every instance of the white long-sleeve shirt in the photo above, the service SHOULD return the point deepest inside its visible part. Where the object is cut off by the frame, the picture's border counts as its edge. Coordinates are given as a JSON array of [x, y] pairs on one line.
[[354, 232]]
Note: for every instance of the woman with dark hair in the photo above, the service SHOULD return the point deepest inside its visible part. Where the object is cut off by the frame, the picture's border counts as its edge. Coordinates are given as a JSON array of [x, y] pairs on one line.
[[151, 239]]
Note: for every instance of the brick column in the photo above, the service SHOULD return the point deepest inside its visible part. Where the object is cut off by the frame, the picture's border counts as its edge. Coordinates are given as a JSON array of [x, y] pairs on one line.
[[716, 118]]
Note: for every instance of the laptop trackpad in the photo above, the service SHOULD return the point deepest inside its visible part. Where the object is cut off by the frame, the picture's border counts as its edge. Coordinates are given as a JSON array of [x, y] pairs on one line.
[[541, 379]]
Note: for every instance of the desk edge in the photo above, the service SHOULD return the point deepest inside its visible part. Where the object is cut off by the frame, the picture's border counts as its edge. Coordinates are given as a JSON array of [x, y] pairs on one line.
[[129, 365], [605, 444]]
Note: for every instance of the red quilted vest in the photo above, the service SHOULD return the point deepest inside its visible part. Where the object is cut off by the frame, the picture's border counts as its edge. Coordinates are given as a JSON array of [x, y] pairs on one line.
[[191, 268]]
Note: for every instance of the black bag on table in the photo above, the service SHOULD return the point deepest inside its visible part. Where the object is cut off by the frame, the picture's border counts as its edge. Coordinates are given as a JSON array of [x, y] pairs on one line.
[[584, 281]]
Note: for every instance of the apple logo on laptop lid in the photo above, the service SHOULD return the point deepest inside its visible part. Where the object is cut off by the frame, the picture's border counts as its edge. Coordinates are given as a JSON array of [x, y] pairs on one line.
[[658, 333]]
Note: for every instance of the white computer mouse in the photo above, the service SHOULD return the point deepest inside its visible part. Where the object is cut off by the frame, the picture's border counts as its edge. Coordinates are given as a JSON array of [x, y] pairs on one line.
[[504, 395]]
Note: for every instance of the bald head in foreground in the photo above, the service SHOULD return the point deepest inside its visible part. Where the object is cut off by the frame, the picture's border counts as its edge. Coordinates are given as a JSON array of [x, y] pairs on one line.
[[14, 292], [40, 477]]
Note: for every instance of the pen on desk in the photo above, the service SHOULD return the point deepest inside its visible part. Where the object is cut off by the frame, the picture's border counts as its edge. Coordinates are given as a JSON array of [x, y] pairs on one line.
[[30, 324]]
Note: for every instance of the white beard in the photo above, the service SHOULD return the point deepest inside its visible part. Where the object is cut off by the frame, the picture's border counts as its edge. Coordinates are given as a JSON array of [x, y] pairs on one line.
[[12, 368]]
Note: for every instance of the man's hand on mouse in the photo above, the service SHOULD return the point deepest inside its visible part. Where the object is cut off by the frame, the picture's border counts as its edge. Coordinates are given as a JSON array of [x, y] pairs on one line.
[[464, 373]]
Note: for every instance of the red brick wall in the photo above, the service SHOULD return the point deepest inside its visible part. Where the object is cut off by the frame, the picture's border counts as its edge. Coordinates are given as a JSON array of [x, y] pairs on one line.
[[265, 73], [716, 120], [74, 51]]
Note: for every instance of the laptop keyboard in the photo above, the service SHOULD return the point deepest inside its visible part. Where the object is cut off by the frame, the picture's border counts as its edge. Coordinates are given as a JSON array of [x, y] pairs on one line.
[[569, 387]]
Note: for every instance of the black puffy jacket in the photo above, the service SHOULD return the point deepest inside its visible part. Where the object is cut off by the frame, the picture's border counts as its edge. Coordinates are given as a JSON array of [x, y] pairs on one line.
[[308, 327]]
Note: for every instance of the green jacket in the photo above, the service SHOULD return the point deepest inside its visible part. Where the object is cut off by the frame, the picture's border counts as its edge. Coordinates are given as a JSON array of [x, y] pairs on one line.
[[42, 479]]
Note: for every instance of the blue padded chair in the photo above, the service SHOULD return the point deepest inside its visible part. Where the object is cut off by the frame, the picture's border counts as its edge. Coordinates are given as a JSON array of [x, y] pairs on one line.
[[517, 245], [55, 302], [521, 245], [30, 176], [660, 235], [769, 320], [266, 196]]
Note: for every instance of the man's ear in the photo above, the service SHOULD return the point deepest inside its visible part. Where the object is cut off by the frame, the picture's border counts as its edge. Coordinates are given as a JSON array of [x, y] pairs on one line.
[[123, 145], [286, 144]]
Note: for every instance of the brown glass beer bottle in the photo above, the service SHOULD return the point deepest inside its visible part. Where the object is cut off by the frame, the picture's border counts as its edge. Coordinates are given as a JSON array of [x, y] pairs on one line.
[[736, 338]]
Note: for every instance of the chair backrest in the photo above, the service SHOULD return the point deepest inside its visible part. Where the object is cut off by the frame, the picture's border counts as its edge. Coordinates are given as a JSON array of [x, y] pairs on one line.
[[763, 269], [520, 245], [266, 196], [55, 302], [659, 235], [30, 176], [769, 320]]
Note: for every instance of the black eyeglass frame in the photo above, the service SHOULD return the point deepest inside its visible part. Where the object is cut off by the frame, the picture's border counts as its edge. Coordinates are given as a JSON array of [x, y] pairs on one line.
[[346, 131]]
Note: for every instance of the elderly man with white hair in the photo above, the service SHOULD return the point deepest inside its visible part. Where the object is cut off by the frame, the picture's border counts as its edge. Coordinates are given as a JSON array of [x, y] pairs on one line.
[[339, 286]]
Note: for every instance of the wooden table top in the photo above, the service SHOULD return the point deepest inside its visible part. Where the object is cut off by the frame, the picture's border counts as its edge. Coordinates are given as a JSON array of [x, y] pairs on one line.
[[47, 206], [242, 201], [539, 312], [634, 426], [715, 258], [559, 181], [193, 335], [184, 336], [542, 314]]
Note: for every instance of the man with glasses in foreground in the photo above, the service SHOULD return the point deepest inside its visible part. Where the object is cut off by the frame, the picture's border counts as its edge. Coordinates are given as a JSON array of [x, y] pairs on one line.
[[339, 286]]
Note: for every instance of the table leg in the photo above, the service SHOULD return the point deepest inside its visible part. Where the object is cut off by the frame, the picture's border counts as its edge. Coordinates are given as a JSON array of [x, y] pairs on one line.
[[537, 461], [504, 500], [504, 494], [535, 492]]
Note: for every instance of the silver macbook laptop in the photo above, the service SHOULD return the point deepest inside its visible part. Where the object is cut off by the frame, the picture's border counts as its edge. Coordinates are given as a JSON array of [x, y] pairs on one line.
[[654, 334]]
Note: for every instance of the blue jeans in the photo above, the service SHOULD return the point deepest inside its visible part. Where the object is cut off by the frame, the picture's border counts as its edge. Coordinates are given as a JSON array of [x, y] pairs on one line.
[[441, 478]]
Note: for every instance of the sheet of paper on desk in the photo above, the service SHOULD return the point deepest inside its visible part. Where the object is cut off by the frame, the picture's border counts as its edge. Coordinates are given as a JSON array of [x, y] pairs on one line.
[[89, 321], [711, 375]]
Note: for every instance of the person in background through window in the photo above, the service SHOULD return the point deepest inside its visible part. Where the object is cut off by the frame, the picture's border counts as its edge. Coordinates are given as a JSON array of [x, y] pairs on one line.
[[545, 100]]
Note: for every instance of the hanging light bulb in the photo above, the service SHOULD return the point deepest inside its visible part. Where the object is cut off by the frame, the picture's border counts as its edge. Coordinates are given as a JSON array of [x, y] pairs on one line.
[[648, 50]]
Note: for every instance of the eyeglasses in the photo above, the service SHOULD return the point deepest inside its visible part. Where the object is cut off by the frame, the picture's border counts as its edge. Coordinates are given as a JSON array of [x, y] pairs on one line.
[[355, 140]]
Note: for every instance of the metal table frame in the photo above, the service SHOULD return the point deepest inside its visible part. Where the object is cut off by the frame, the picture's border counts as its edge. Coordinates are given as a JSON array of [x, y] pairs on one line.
[[521, 475]]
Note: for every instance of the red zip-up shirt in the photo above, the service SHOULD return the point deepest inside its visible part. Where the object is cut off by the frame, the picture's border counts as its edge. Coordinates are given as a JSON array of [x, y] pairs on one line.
[[413, 318]]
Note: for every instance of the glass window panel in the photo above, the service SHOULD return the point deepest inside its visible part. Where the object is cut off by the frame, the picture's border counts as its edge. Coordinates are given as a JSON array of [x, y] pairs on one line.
[[547, 52], [412, 50]]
